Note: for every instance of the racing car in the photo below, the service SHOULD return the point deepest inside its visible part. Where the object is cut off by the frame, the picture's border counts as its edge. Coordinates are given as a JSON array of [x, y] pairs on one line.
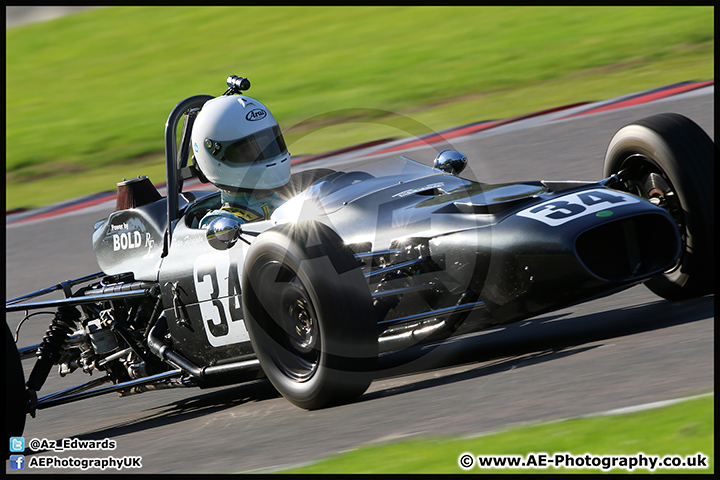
[[358, 262]]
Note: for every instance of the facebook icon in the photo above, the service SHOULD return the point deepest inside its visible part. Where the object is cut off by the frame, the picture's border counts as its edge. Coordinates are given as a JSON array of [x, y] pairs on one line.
[[17, 462]]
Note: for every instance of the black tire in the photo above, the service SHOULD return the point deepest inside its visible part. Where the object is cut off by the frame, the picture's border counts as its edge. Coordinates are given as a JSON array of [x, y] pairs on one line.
[[308, 310], [672, 159], [15, 392]]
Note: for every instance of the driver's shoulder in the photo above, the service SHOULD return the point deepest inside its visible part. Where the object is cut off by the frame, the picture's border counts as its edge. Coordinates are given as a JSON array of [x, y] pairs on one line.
[[223, 212]]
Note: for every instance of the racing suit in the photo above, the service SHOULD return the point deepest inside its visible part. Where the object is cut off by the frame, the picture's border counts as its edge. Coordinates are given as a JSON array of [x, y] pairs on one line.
[[246, 207]]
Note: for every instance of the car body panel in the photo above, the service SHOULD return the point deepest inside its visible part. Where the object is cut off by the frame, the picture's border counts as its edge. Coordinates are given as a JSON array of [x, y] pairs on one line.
[[512, 245]]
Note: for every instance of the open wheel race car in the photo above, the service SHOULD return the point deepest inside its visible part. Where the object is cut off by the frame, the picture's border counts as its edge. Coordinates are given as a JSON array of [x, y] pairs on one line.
[[356, 263]]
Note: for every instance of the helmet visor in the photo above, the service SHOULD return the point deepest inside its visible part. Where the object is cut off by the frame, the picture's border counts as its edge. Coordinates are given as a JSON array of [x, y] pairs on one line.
[[260, 146]]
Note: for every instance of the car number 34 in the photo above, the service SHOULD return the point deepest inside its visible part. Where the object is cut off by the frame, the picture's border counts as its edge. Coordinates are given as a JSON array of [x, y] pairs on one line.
[[576, 205], [217, 285]]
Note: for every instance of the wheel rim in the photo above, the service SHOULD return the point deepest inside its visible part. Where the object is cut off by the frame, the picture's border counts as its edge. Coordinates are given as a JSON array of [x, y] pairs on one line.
[[290, 321]]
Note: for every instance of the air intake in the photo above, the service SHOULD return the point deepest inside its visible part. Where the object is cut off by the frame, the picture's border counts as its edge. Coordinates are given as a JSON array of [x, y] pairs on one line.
[[135, 192], [630, 248]]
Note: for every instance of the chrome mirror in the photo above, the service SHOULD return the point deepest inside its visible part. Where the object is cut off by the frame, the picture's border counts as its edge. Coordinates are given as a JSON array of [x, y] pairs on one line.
[[450, 161], [223, 233]]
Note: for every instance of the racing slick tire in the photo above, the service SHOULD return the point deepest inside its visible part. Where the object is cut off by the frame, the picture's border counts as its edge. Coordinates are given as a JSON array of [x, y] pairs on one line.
[[309, 314], [670, 161], [15, 392]]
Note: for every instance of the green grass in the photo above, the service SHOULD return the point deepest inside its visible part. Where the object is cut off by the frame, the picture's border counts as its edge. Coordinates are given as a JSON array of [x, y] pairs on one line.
[[682, 429], [91, 92]]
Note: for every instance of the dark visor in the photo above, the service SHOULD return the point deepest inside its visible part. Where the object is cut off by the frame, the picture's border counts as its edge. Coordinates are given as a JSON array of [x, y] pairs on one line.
[[262, 145]]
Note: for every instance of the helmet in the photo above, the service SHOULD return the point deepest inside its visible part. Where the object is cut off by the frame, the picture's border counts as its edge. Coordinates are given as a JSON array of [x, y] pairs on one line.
[[238, 145]]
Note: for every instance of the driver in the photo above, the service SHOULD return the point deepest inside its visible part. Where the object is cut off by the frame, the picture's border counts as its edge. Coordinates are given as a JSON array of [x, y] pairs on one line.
[[239, 148]]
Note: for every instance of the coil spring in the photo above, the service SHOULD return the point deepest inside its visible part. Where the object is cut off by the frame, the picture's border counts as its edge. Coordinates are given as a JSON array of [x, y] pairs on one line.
[[51, 348], [57, 333]]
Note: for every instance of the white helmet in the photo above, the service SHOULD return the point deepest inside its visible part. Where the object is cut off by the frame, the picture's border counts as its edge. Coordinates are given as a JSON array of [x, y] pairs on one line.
[[238, 145]]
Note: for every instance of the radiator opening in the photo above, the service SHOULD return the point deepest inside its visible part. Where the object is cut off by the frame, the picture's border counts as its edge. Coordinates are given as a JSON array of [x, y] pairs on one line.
[[629, 248]]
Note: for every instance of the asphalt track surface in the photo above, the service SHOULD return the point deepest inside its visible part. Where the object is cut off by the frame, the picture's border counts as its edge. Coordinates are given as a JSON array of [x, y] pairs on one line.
[[21, 15], [628, 349]]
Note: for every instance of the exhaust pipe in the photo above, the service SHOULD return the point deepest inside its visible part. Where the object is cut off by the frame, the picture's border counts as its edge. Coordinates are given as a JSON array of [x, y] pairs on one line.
[[158, 346]]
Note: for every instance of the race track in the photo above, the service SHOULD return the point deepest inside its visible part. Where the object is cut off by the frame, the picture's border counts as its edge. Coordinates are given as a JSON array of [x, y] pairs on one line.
[[624, 350]]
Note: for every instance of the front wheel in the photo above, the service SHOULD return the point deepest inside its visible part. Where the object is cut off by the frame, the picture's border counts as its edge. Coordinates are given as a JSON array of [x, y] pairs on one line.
[[308, 310], [669, 160]]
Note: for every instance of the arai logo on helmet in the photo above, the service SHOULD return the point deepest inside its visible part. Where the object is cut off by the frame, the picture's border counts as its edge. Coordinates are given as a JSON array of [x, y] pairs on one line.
[[254, 115]]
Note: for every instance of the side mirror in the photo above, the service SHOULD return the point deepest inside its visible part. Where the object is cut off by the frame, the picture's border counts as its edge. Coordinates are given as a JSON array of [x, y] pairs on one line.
[[223, 233], [450, 161]]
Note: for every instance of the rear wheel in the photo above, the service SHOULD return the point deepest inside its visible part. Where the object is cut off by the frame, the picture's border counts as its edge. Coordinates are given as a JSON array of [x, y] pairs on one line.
[[308, 311], [15, 392], [669, 160]]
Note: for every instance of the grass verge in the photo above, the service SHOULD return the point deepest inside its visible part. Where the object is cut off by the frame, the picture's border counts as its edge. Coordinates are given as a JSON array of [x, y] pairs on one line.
[[683, 429]]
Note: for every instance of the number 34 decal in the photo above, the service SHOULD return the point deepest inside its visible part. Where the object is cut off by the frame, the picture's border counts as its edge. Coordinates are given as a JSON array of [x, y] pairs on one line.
[[217, 284], [576, 205]]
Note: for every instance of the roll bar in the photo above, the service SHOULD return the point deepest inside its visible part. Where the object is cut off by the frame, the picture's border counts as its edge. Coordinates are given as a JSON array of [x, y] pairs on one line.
[[176, 162]]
